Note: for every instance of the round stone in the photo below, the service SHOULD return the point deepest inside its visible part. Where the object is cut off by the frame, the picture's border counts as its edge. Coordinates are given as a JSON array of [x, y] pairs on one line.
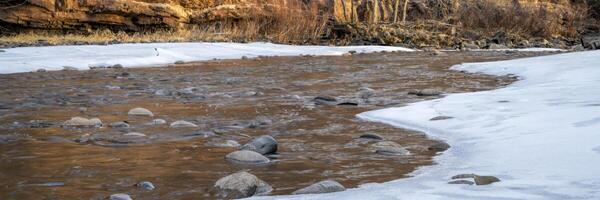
[[182, 124], [264, 144], [83, 122], [146, 185], [159, 121], [247, 157], [140, 112], [326, 186], [120, 196]]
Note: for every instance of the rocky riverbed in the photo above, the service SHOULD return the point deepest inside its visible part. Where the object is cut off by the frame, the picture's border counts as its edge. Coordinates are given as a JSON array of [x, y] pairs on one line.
[[169, 132]]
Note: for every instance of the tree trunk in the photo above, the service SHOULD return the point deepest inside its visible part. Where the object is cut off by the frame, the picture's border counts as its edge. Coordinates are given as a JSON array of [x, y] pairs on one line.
[[405, 9], [396, 11]]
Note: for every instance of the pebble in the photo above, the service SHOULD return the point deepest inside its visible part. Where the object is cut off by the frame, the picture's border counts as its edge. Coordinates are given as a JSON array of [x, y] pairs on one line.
[[241, 185], [182, 124], [140, 112], [228, 143], [120, 196], [119, 125], [391, 151], [146, 185], [326, 186], [440, 118], [159, 121], [247, 157], [426, 92], [371, 136], [83, 122], [135, 134]]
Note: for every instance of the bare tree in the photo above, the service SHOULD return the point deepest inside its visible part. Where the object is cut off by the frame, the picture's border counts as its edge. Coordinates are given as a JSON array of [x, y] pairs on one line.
[[396, 11], [404, 11]]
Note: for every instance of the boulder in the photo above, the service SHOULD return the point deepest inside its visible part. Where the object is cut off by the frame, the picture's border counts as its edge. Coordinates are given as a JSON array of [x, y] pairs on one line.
[[591, 41], [140, 112], [389, 148], [241, 185], [326, 186], [371, 136], [485, 180], [264, 144], [426, 92], [246, 157]]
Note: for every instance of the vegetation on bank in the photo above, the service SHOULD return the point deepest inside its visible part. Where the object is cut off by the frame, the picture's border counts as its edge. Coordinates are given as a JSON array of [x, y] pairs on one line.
[[414, 23]]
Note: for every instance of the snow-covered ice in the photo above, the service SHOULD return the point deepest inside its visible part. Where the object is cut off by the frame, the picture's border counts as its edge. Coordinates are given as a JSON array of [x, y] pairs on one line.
[[27, 59], [540, 135]]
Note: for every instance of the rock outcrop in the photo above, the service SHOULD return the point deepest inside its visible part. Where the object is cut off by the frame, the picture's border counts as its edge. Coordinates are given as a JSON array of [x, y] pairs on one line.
[[129, 15]]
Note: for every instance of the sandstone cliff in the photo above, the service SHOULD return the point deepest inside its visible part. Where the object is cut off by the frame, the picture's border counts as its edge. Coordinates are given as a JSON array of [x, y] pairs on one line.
[[122, 14]]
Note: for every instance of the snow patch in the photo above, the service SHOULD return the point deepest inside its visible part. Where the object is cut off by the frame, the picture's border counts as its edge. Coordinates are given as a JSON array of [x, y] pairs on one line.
[[27, 59], [540, 135]]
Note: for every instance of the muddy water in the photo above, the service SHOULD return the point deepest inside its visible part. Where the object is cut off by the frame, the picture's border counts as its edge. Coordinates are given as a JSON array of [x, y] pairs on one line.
[[229, 100]]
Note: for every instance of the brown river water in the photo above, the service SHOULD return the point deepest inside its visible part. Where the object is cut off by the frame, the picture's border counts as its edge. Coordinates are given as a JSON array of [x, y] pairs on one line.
[[228, 100]]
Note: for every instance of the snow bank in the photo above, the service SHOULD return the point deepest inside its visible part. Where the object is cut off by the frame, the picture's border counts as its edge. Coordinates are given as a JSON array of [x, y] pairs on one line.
[[26, 59], [540, 135]]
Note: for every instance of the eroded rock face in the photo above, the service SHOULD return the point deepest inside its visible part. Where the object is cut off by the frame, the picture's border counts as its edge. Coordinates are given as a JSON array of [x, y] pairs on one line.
[[122, 14]]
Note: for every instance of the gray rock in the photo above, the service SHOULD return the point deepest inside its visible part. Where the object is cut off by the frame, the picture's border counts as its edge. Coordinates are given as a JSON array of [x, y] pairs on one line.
[[326, 186], [485, 180], [327, 100], [179, 62], [264, 144], [442, 146], [467, 182], [246, 157], [120, 196], [135, 134], [260, 121], [182, 124], [426, 92], [119, 125], [391, 151], [371, 136], [578, 47], [462, 176], [146, 185], [83, 122], [591, 41], [159, 121], [140, 112], [440, 118], [7, 138], [41, 70], [228, 144], [117, 66], [241, 185]]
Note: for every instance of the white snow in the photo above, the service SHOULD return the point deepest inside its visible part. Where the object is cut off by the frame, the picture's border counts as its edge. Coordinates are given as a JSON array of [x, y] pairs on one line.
[[540, 135], [27, 59], [536, 49]]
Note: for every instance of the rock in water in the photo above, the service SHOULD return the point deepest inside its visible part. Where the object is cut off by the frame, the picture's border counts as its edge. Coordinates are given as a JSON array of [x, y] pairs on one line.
[[120, 196], [83, 122], [146, 185], [485, 180], [392, 151], [321, 187], [327, 100], [119, 125], [426, 92], [159, 121], [183, 124], [371, 136], [140, 112], [264, 144], [241, 185], [246, 157]]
